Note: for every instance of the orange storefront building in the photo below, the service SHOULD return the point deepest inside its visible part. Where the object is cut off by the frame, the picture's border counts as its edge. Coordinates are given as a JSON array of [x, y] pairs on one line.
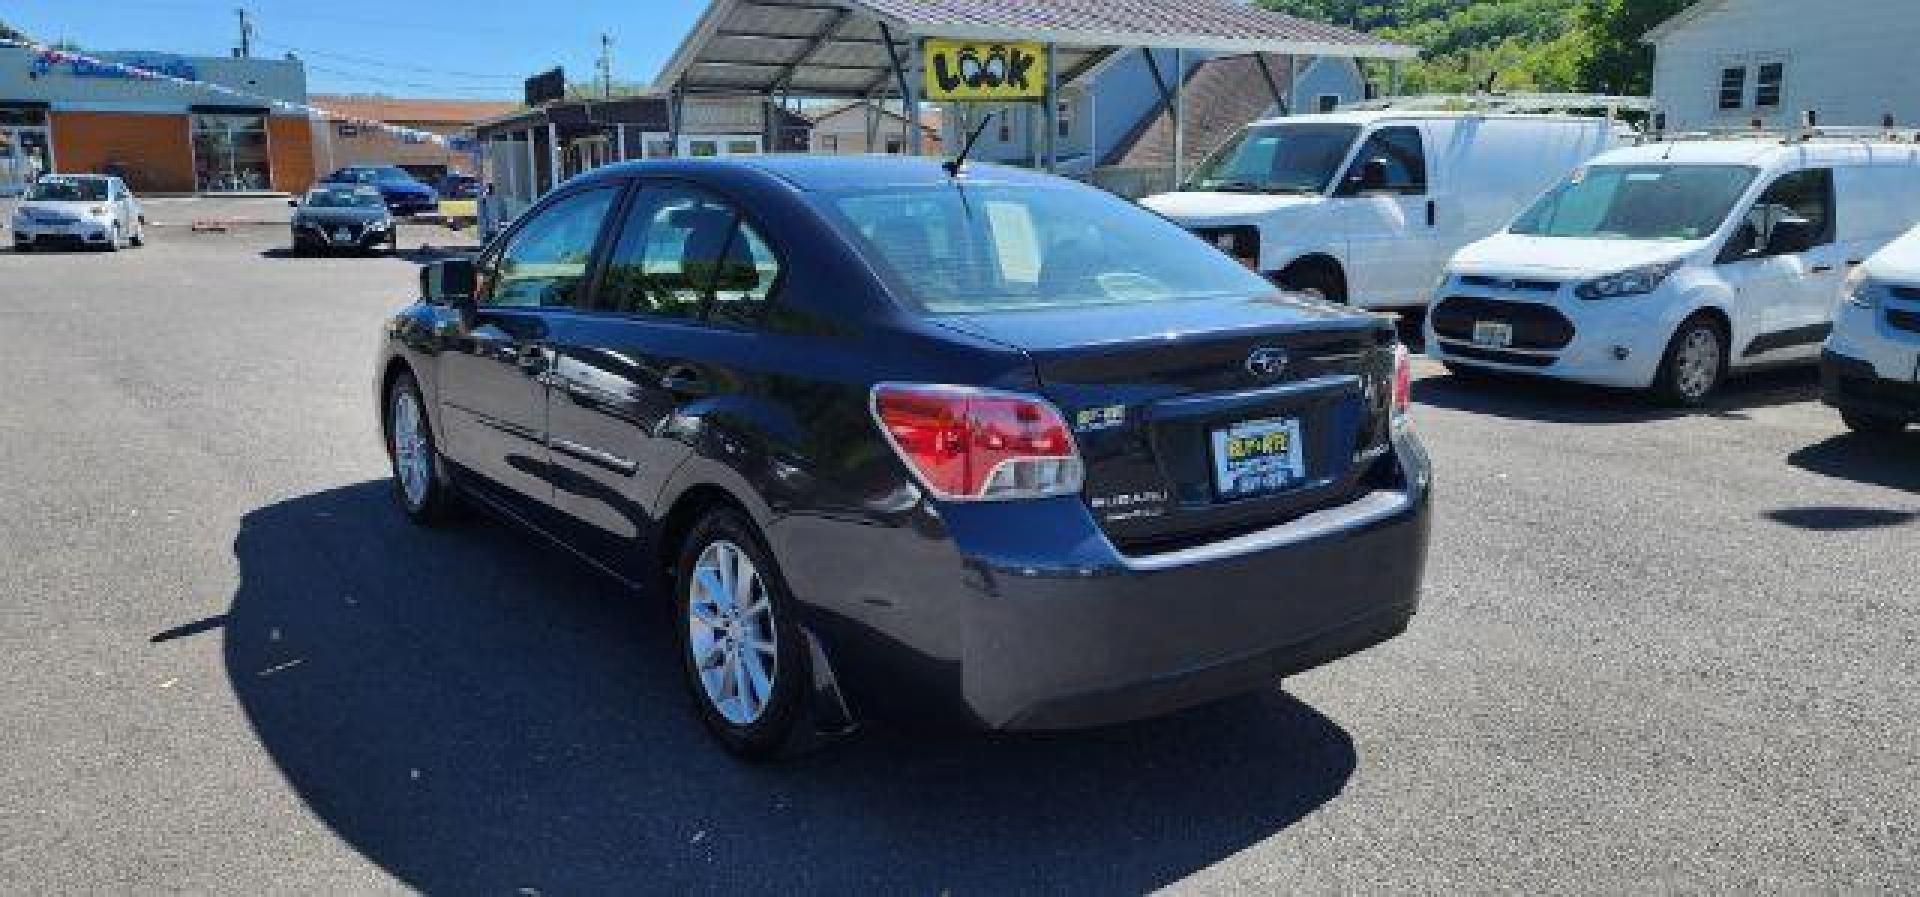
[[64, 115]]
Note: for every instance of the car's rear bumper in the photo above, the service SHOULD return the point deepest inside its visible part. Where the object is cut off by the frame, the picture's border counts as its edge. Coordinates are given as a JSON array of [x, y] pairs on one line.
[[1852, 384], [1024, 617]]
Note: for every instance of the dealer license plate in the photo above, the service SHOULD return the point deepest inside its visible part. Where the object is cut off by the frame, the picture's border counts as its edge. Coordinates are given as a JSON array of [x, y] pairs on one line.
[[1492, 334], [1258, 457]]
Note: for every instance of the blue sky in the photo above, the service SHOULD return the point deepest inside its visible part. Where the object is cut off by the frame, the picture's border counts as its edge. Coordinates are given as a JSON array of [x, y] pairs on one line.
[[477, 49]]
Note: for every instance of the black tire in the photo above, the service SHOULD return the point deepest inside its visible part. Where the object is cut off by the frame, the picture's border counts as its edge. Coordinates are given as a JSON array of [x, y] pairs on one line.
[[773, 731], [1868, 424], [438, 502], [1678, 384], [139, 236], [114, 238], [1318, 279], [23, 247]]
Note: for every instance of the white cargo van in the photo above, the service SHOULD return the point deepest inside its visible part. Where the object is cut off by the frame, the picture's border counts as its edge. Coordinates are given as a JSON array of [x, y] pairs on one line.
[[1870, 369], [1671, 264], [1366, 207]]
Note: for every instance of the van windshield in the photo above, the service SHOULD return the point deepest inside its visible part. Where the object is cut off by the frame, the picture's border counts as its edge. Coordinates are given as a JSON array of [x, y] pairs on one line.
[[1282, 158], [1638, 202], [969, 249]]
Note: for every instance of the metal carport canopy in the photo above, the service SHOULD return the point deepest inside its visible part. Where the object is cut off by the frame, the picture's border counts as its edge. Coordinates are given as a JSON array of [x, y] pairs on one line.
[[838, 49]]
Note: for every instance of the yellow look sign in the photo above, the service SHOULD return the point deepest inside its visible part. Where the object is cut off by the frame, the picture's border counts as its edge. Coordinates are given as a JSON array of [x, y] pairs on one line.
[[985, 71]]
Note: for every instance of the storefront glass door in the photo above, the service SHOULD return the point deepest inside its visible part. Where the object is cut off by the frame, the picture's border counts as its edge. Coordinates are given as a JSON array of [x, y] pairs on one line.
[[25, 154], [230, 153]]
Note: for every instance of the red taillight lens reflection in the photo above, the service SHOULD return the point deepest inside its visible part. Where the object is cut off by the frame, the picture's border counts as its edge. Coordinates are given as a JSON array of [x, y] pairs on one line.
[[1402, 380], [968, 443]]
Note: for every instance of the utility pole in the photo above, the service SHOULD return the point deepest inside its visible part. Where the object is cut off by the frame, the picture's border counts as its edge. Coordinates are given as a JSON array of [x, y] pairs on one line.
[[246, 35], [606, 67]]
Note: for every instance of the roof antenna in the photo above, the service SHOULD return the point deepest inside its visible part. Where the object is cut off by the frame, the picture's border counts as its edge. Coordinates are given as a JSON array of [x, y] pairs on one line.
[[954, 164]]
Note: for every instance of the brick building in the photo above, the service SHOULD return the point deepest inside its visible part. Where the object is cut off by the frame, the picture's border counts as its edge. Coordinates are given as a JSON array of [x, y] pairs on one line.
[[68, 115], [341, 143]]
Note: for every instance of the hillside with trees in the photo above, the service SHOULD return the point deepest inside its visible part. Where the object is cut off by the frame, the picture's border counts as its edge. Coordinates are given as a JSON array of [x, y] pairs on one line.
[[1547, 45]]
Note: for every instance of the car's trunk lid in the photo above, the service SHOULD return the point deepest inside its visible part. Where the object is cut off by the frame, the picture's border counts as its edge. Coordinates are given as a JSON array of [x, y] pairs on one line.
[[1153, 392]]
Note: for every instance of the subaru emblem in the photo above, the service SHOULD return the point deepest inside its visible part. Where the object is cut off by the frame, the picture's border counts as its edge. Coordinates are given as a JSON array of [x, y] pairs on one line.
[[1267, 364]]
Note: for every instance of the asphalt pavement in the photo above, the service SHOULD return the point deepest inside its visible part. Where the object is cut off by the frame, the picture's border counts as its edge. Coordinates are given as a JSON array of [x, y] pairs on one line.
[[1658, 651]]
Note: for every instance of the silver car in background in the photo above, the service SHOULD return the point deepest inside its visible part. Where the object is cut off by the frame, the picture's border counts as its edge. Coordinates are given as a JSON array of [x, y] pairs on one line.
[[78, 211]]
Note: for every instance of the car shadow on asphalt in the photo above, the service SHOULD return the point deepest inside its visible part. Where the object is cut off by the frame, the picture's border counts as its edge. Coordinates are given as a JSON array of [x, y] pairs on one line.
[[476, 711], [1520, 397], [1892, 462]]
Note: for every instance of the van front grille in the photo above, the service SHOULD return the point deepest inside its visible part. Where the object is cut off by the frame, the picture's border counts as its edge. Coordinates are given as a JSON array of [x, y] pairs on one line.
[[1535, 326]]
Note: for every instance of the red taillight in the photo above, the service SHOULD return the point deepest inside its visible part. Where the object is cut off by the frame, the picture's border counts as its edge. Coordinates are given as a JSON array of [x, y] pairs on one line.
[[1402, 380], [976, 444]]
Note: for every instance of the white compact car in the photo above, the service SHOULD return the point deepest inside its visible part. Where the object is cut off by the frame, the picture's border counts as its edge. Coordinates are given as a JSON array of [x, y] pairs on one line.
[[86, 210], [1870, 369], [1669, 265], [1366, 207]]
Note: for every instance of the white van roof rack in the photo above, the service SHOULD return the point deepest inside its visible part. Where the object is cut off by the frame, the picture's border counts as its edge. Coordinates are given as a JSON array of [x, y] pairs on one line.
[[1505, 102], [1821, 134]]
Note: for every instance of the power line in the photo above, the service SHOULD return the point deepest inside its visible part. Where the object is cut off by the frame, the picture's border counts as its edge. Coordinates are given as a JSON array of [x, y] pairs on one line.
[[364, 60]]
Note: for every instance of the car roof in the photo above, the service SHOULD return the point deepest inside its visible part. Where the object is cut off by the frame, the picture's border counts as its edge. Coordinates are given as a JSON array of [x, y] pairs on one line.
[[810, 173], [1369, 116]]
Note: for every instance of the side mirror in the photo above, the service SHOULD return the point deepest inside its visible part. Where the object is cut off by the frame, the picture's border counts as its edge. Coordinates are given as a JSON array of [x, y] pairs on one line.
[[294, 203], [450, 282], [1791, 236], [1372, 175]]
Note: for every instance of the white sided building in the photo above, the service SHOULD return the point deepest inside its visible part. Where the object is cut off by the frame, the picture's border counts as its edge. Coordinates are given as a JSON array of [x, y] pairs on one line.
[[1726, 63]]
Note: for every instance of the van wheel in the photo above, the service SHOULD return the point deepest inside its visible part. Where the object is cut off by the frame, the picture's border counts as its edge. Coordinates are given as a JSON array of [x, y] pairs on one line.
[[740, 644], [1321, 281], [1694, 366], [1872, 424]]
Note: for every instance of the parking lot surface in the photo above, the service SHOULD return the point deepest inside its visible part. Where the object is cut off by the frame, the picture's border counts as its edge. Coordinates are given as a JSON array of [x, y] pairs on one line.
[[1657, 651]]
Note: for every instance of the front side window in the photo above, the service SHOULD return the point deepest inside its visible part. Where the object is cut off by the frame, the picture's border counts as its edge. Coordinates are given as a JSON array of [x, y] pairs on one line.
[[1281, 158], [1638, 202], [685, 253], [544, 264], [953, 249], [1393, 160], [1733, 87], [1798, 196]]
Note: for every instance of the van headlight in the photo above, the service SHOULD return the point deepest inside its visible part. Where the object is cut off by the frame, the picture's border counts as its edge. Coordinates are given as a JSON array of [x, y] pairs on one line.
[[1631, 282]]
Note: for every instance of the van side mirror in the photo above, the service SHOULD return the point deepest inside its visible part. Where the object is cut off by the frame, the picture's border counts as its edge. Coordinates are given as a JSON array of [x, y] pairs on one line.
[[1791, 236], [1372, 176], [294, 203]]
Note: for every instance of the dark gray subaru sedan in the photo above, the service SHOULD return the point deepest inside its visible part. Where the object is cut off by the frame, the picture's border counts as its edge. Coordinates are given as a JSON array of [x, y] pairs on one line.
[[983, 446]]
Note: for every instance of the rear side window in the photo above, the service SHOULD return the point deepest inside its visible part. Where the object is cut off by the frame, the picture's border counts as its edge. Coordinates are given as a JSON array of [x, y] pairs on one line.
[[545, 263], [1405, 164], [683, 251], [956, 249]]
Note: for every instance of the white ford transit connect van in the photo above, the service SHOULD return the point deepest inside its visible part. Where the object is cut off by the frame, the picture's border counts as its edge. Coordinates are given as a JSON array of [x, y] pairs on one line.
[[1670, 264], [1366, 207], [1871, 367]]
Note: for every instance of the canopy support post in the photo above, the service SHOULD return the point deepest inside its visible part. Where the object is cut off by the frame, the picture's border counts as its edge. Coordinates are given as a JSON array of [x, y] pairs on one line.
[[1052, 111], [675, 108], [1273, 85], [1179, 118]]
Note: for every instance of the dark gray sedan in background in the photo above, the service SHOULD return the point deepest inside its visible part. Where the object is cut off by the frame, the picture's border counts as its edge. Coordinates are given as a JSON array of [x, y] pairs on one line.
[[342, 216]]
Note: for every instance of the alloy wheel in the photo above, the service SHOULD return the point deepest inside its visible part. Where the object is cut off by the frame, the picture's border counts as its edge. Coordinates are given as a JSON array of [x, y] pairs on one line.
[[412, 457], [731, 633], [1698, 363]]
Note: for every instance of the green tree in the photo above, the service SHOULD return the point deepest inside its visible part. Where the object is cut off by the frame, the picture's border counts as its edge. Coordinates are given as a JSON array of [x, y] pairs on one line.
[[1616, 60]]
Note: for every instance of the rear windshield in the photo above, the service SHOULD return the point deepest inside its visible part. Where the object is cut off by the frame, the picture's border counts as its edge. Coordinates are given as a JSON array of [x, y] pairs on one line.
[[1638, 202], [980, 248], [69, 190]]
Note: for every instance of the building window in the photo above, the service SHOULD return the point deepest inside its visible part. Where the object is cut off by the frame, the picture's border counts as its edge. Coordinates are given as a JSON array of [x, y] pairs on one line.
[[1006, 125], [1733, 87], [230, 152], [1766, 93], [347, 129], [1063, 113], [829, 143], [893, 146], [1327, 102]]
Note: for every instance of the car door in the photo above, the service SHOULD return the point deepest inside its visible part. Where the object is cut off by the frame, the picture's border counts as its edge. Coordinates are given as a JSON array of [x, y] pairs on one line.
[[1786, 292], [491, 379], [1387, 219], [682, 287]]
